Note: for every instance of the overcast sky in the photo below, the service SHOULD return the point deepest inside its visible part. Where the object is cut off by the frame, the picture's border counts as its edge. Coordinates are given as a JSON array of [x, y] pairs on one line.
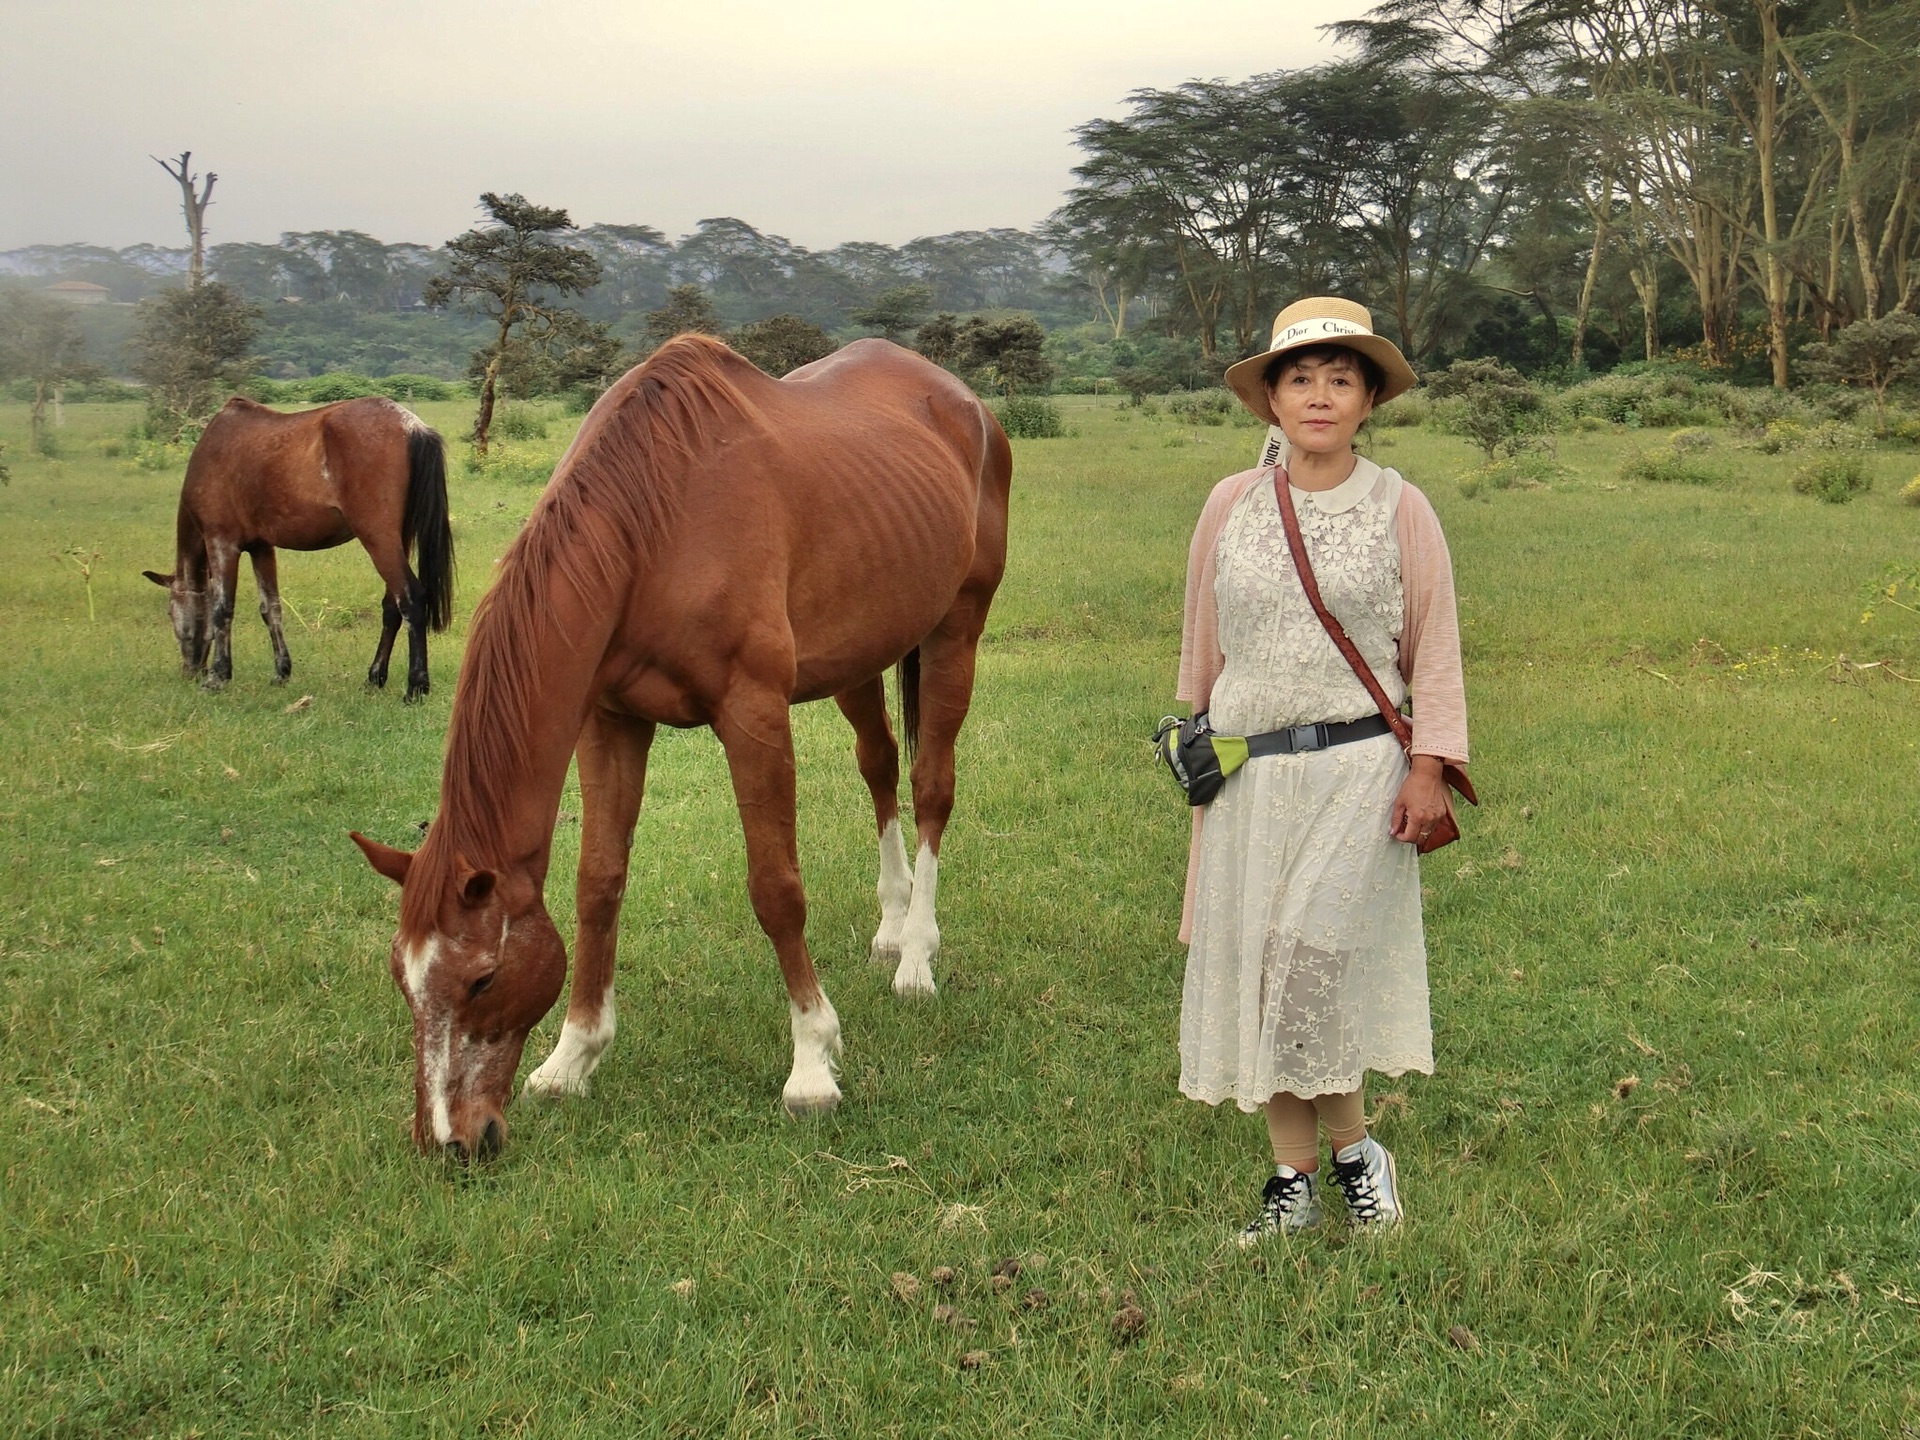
[[821, 120]]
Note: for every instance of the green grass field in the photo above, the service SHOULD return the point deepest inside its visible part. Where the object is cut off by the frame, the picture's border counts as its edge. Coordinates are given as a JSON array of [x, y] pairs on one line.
[[1665, 1177]]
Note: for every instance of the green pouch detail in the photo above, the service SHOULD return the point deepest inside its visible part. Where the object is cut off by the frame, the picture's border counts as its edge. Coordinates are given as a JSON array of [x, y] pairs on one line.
[[1232, 752]]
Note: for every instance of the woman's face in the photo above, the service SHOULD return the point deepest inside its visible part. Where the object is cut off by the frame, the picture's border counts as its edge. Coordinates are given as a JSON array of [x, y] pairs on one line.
[[1321, 403]]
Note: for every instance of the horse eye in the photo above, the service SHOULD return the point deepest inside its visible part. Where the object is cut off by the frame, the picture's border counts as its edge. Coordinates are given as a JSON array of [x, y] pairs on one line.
[[480, 986]]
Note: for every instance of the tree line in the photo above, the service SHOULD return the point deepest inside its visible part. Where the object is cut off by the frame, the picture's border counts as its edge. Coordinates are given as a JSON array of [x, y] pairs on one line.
[[1557, 184], [1554, 182], [747, 273]]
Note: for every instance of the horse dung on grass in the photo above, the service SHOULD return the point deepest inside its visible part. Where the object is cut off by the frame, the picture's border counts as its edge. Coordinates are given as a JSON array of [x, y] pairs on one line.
[[365, 470], [715, 547]]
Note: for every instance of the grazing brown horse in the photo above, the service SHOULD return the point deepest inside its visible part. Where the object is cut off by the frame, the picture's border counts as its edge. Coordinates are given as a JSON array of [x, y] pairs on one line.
[[715, 547], [363, 470]]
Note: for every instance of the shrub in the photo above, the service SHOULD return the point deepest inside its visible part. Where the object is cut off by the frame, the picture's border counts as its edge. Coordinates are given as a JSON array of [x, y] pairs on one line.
[[1408, 410], [1688, 442], [1834, 479], [1499, 410], [520, 422], [409, 388], [1834, 402], [1030, 417], [1667, 465], [1673, 395], [1781, 435], [1902, 427], [337, 385], [102, 389], [1910, 492], [1527, 471], [1204, 407]]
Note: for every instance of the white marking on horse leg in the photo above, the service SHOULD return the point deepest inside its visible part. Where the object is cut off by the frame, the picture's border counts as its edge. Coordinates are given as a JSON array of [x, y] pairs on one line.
[[811, 1087], [574, 1056], [920, 936], [896, 891]]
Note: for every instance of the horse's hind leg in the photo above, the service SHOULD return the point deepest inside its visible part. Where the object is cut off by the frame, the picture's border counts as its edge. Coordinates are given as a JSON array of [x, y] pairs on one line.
[[413, 607], [403, 601], [266, 574], [389, 627], [613, 773], [946, 692], [754, 727], [865, 707]]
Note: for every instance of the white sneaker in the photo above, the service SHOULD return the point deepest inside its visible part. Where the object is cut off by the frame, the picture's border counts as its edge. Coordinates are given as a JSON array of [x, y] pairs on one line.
[[1290, 1202], [1364, 1175]]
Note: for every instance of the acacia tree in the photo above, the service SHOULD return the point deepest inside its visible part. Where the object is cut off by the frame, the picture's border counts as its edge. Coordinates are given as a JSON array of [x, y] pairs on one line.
[[1873, 354], [896, 311], [781, 343], [1201, 169], [510, 271], [41, 343], [688, 311], [1006, 353]]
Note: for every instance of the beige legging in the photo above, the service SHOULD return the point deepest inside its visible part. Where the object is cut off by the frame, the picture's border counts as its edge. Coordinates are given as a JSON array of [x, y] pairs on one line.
[[1293, 1124]]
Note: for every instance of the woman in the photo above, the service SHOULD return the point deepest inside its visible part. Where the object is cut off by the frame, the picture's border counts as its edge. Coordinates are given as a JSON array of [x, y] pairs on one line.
[[1307, 962]]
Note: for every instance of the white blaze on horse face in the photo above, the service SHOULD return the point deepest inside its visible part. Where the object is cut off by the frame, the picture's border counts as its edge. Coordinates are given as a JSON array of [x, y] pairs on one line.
[[438, 1060], [416, 964], [896, 890], [575, 1056], [816, 1042], [920, 936]]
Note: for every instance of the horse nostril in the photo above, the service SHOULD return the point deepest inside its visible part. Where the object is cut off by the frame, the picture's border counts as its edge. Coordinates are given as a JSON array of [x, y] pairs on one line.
[[455, 1150], [490, 1140]]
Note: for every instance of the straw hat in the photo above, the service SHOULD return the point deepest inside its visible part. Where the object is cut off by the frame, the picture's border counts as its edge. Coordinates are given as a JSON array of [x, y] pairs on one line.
[[1320, 320]]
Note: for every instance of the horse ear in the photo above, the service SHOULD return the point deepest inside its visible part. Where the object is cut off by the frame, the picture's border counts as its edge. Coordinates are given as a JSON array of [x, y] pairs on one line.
[[164, 581], [475, 886], [388, 861]]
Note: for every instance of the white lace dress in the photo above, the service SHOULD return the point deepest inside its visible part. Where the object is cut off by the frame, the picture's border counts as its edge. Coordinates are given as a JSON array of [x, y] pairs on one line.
[[1308, 962]]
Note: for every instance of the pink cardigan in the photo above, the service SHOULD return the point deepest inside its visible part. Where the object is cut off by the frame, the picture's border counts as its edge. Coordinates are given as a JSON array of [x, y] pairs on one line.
[[1429, 633]]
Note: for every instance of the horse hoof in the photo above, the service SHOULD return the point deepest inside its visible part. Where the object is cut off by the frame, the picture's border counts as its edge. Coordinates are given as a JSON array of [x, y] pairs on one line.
[[878, 954], [553, 1087], [213, 684], [806, 1107], [914, 984]]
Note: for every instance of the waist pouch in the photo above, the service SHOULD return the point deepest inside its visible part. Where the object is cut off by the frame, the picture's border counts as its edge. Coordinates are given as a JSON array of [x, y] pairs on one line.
[[1200, 759]]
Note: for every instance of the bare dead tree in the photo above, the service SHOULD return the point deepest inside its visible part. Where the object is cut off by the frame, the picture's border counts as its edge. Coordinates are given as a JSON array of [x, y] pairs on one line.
[[194, 207]]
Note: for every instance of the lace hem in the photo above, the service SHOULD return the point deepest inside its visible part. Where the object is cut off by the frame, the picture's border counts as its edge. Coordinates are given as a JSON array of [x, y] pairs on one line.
[[1390, 1068]]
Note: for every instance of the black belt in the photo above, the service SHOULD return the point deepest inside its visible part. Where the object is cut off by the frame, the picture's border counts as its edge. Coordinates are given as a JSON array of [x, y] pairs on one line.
[[1302, 738]]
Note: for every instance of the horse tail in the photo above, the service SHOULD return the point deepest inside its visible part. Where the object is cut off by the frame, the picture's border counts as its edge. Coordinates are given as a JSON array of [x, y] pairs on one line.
[[908, 674], [427, 524]]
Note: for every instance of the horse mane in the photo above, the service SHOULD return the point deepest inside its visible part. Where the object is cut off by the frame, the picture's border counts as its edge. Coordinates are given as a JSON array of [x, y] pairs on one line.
[[612, 500]]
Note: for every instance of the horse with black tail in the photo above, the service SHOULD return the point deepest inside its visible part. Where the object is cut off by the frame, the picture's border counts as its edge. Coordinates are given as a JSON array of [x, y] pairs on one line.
[[366, 470]]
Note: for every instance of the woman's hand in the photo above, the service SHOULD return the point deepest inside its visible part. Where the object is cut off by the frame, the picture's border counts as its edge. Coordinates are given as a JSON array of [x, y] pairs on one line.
[[1421, 803]]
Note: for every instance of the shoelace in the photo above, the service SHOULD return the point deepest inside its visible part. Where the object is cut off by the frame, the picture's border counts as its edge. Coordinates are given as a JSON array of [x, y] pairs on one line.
[[1282, 1192], [1356, 1184]]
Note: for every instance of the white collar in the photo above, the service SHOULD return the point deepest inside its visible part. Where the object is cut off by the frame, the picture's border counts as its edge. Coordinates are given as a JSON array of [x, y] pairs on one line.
[[1347, 494]]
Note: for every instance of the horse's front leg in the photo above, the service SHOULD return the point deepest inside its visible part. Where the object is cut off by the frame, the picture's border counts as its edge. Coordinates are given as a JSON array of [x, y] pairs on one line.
[[613, 773], [223, 578], [755, 729], [266, 574], [865, 707]]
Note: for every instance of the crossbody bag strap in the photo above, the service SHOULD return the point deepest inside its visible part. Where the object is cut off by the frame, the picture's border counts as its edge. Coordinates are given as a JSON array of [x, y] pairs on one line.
[[1283, 492]]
